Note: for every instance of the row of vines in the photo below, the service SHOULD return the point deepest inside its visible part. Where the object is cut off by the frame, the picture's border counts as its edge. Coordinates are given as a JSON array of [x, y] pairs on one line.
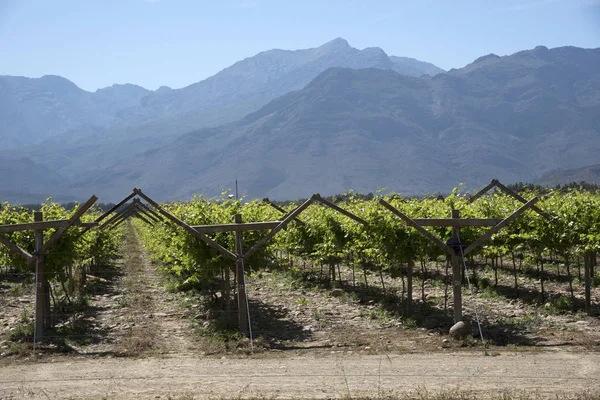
[[67, 260], [327, 238]]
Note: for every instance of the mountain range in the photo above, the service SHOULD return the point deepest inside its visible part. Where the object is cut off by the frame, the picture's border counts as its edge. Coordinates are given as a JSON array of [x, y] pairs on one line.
[[290, 123]]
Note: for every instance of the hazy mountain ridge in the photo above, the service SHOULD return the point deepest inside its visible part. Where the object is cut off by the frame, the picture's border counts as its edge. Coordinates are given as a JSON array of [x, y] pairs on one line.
[[251, 83], [52, 106], [135, 120], [588, 174], [513, 118]]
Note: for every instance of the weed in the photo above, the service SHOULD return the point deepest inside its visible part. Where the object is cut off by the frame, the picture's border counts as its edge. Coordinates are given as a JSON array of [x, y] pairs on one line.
[[484, 283], [25, 317], [124, 301], [409, 323], [529, 321], [20, 349], [302, 302], [22, 333], [559, 305], [489, 293], [80, 303], [16, 291], [349, 297]]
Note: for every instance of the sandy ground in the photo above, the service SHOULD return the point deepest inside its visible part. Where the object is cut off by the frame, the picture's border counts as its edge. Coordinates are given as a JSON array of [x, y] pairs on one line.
[[342, 376]]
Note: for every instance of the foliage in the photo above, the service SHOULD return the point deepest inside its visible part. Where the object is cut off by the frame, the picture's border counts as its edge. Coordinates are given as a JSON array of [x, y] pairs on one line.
[[69, 252], [327, 237]]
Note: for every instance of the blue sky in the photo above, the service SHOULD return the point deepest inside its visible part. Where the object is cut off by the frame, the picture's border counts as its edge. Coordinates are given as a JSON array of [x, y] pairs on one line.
[[96, 43]]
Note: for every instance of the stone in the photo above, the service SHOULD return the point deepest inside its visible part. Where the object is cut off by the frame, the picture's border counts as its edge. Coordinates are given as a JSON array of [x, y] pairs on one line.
[[337, 292], [460, 330]]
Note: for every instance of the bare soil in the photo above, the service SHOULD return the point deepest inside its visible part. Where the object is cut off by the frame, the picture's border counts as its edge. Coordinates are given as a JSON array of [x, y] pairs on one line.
[[136, 339], [333, 376]]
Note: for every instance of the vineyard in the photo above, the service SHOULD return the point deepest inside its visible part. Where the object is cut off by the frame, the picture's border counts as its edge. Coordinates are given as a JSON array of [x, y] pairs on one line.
[[544, 257], [56, 261], [257, 284], [539, 254]]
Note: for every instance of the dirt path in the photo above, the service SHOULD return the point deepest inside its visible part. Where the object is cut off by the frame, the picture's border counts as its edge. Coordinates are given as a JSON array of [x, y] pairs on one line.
[[552, 373], [134, 315]]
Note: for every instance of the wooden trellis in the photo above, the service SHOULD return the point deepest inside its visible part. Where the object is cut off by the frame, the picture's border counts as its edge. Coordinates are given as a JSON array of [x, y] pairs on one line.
[[42, 298], [454, 247], [151, 213]]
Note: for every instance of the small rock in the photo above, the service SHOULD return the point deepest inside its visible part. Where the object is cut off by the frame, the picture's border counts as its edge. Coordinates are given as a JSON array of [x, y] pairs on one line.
[[446, 340], [337, 292], [460, 330]]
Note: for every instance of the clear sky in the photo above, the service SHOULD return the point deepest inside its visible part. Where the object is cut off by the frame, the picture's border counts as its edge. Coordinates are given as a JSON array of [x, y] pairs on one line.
[[96, 43]]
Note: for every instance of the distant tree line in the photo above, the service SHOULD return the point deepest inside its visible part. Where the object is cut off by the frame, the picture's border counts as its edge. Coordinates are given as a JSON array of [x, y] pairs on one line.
[[582, 185], [68, 206]]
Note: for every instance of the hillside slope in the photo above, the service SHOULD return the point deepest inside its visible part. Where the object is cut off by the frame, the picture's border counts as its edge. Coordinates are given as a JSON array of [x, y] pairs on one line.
[[512, 117]]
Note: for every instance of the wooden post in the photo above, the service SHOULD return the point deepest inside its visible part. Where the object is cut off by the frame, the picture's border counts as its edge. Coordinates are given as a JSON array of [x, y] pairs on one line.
[[456, 273], [40, 298], [241, 287], [587, 265], [409, 286]]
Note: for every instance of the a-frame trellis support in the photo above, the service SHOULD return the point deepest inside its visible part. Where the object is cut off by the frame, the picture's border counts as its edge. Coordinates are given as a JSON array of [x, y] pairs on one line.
[[454, 247], [42, 298], [588, 257], [276, 226]]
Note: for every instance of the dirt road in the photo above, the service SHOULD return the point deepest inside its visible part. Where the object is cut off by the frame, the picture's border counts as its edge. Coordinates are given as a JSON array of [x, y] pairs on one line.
[[336, 376]]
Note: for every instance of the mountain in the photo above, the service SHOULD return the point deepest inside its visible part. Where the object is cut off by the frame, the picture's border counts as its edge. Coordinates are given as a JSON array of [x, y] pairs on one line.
[[251, 83], [512, 117], [117, 98], [131, 120], [411, 67], [52, 106], [28, 182], [588, 174], [35, 109]]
